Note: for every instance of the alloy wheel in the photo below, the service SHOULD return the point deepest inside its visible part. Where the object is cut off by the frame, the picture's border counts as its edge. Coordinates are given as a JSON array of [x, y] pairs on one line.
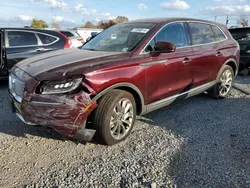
[[121, 119], [226, 81]]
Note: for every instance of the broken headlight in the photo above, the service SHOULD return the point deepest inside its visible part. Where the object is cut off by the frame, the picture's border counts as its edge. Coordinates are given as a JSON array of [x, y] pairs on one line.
[[59, 87]]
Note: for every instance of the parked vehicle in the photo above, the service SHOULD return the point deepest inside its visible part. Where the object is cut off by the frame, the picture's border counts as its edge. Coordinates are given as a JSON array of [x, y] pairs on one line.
[[76, 39], [93, 34], [85, 33], [129, 69], [19, 43], [242, 35]]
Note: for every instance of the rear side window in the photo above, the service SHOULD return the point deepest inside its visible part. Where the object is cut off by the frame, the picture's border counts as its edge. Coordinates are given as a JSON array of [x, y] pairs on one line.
[[201, 33], [46, 39], [21, 38], [67, 33], [218, 33]]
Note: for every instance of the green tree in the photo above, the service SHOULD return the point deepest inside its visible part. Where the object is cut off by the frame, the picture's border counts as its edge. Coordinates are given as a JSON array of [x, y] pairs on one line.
[[38, 24]]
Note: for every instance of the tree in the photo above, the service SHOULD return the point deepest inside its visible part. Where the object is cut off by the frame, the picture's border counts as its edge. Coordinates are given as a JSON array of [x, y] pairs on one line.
[[243, 21], [55, 25], [121, 19], [105, 24], [38, 24], [44, 24], [88, 24]]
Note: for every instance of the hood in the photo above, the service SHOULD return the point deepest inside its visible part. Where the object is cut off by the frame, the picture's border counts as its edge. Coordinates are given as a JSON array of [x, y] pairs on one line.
[[66, 61]]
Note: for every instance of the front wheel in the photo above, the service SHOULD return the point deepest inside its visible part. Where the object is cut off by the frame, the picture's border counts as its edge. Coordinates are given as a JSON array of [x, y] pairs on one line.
[[115, 116], [224, 83]]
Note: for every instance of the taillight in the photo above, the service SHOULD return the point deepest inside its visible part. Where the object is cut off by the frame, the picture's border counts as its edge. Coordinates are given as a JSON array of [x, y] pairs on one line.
[[80, 39], [68, 43]]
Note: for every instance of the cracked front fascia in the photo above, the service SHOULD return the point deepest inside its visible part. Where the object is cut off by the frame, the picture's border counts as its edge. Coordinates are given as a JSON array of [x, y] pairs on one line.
[[65, 113]]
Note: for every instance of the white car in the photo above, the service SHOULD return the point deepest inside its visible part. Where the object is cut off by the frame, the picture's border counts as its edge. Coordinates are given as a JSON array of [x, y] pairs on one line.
[[77, 40]]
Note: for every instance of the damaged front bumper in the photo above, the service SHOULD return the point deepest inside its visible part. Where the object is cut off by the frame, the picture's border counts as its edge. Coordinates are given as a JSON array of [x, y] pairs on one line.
[[66, 114]]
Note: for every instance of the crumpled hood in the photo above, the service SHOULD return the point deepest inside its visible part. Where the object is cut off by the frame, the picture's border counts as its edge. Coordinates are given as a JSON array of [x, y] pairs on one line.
[[60, 62]]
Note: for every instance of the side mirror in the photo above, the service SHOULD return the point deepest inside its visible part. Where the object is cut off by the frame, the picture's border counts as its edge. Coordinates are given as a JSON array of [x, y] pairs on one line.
[[164, 47]]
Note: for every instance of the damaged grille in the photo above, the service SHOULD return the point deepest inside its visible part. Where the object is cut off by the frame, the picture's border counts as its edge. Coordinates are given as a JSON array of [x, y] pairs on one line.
[[16, 87]]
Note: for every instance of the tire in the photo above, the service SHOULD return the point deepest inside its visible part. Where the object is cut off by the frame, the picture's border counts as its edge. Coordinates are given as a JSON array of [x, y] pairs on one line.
[[216, 91], [109, 113]]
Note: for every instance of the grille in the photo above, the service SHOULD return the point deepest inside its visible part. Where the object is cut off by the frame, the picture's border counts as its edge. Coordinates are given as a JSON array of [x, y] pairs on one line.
[[16, 87]]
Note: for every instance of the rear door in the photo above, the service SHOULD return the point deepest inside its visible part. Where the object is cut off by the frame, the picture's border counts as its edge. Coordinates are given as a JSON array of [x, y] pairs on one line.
[[207, 53], [20, 45]]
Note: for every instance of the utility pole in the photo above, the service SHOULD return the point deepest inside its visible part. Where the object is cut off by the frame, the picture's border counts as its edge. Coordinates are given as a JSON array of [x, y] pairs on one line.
[[215, 18], [227, 20]]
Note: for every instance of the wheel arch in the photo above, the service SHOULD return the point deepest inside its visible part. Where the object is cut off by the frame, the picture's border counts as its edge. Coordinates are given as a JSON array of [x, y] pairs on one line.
[[131, 88], [232, 63]]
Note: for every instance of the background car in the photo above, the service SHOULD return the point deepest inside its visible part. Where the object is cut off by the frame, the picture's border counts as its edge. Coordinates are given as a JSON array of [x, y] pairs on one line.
[[87, 32], [19, 43], [242, 35], [76, 39]]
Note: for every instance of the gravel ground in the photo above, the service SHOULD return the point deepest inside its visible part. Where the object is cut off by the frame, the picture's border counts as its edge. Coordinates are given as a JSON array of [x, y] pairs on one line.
[[199, 142]]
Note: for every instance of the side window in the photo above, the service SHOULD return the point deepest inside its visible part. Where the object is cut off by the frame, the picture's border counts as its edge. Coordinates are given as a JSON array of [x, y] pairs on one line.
[[218, 33], [174, 33], [21, 38], [201, 33], [46, 39]]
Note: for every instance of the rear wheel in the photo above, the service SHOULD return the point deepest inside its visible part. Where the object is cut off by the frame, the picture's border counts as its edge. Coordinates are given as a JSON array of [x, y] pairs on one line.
[[224, 83], [115, 116]]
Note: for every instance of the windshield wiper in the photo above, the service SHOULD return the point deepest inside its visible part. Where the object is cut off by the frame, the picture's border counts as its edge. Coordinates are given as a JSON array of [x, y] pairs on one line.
[[90, 49]]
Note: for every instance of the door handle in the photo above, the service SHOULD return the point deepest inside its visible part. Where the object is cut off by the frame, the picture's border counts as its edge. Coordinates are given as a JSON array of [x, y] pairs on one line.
[[186, 61], [219, 54], [41, 49]]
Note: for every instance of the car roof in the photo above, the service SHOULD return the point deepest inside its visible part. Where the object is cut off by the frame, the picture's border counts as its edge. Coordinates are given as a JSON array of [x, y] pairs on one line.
[[171, 19], [24, 29], [238, 28]]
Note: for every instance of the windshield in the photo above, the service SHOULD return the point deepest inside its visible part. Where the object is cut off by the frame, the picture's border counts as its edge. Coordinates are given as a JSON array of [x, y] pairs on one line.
[[120, 38], [240, 34]]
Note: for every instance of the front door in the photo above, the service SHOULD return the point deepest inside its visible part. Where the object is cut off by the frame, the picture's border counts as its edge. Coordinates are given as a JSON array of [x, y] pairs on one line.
[[20, 45], [168, 74]]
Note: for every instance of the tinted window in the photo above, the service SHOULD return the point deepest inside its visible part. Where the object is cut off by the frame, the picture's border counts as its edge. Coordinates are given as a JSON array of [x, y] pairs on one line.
[[201, 33], [174, 33], [67, 33], [218, 33], [21, 38], [46, 39], [242, 34]]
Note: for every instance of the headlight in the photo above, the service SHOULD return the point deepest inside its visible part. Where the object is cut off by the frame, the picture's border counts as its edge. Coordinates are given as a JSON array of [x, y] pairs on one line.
[[58, 87]]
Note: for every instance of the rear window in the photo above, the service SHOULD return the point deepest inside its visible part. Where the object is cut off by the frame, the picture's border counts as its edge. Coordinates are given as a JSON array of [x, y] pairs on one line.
[[21, 38], [201, 33], [218, 33], [240, 34], [67, 33], [46, 39]]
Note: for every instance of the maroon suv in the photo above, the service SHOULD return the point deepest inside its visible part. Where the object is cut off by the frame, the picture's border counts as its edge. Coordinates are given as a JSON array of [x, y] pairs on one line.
[[127, 70]]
